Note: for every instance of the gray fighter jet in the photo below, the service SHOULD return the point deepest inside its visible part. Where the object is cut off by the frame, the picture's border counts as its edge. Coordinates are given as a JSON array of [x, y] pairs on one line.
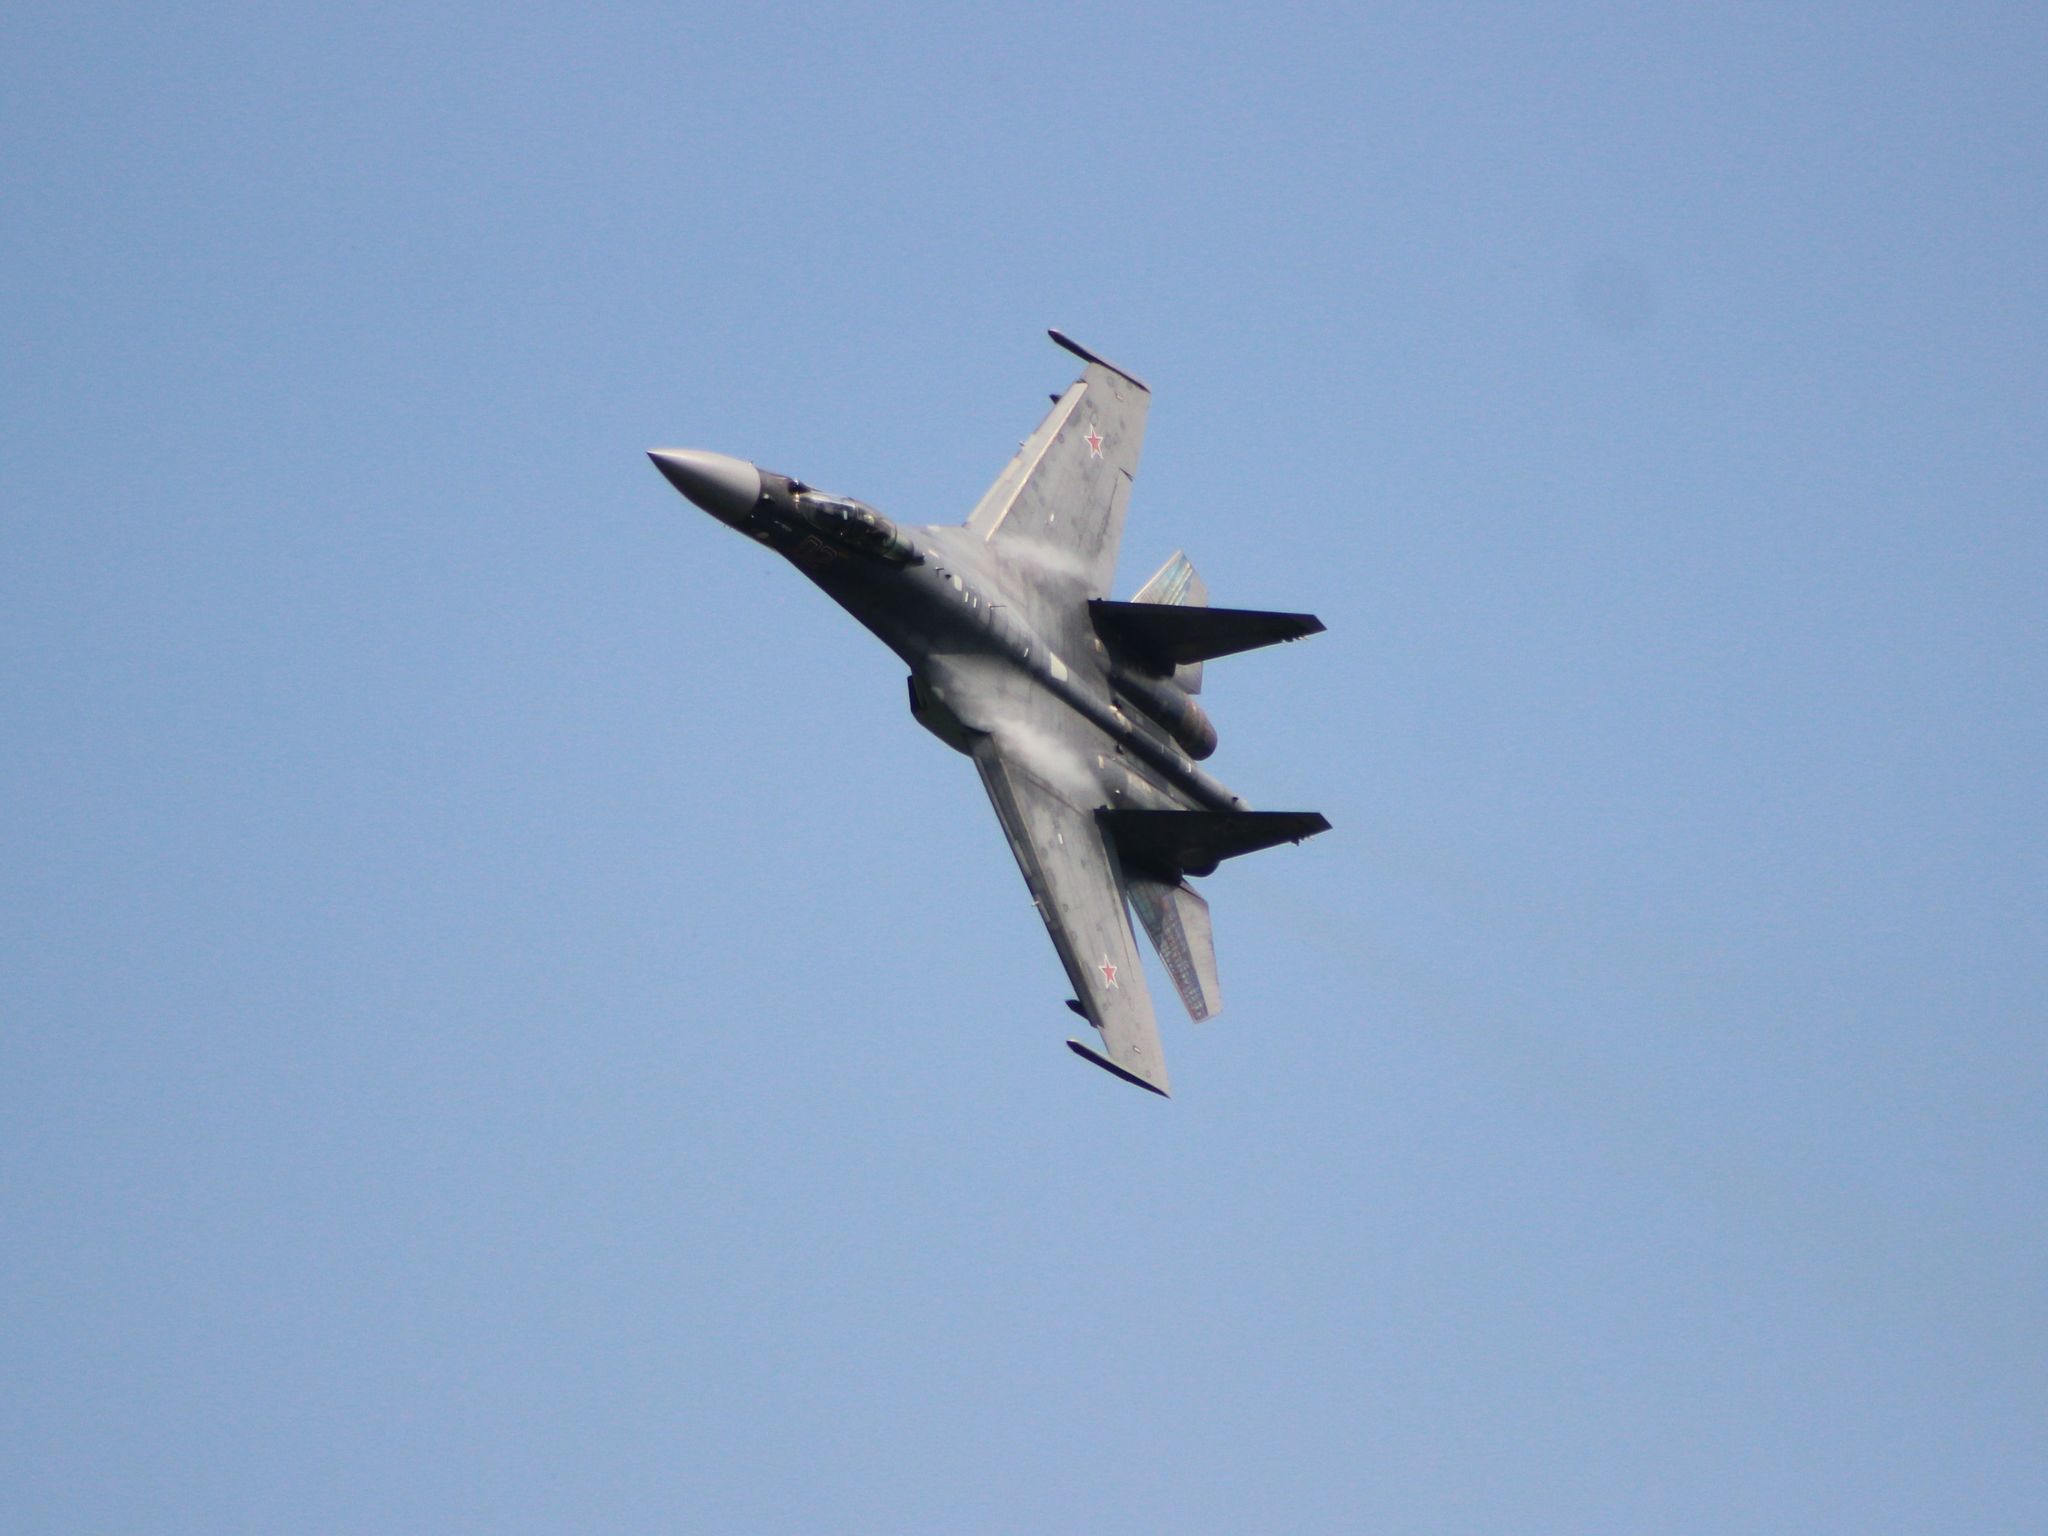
[[1079, 712]]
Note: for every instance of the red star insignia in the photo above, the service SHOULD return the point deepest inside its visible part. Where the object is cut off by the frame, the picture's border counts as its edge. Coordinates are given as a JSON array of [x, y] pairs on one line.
[[1108, 974], [1094, 441]]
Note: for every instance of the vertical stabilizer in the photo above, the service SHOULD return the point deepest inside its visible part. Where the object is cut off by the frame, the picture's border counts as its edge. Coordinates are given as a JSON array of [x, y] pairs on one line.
[[1178, 922], [1178, 582]]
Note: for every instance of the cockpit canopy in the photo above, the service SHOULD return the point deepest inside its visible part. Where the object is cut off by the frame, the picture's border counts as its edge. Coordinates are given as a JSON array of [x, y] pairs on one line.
[[856, 526]]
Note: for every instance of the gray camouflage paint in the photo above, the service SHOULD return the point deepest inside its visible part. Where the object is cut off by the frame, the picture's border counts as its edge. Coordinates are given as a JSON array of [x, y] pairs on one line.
[[1009, 665]]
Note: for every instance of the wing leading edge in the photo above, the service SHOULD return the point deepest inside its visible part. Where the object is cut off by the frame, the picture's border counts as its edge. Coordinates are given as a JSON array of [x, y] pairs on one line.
[[1076, 882], [1059, 504]]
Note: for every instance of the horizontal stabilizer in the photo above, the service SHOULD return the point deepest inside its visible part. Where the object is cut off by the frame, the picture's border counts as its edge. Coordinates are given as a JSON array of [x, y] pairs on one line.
[[1196, 841], [1086, 1053], [1162, 636]]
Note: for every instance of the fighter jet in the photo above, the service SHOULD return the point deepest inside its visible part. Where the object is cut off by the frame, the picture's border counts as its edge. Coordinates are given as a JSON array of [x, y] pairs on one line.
[[1080, 713]]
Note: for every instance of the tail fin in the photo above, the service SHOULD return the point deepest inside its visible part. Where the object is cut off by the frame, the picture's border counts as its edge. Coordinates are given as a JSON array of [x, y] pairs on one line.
[[1178, 921], [1177, 581], [1179, 584]]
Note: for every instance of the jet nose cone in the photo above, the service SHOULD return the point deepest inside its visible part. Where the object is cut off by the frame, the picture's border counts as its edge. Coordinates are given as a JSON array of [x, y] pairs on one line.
[[724, 486]]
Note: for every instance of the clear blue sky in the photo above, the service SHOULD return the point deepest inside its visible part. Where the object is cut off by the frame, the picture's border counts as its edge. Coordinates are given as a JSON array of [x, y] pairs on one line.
[[507, 1026]]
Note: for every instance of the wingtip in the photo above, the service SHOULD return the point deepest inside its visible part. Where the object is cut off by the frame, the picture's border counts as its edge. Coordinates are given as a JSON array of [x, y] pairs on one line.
[[1061, 338], [1089, 1053]]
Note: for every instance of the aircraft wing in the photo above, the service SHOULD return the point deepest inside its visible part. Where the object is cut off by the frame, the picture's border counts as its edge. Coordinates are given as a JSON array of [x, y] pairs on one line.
[[1059, 504], [1076, 882]]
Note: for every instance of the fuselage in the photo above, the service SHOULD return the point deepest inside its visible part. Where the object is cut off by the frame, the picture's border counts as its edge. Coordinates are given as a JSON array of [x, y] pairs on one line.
[[960, 600], [1079, 713], [972, 627]]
